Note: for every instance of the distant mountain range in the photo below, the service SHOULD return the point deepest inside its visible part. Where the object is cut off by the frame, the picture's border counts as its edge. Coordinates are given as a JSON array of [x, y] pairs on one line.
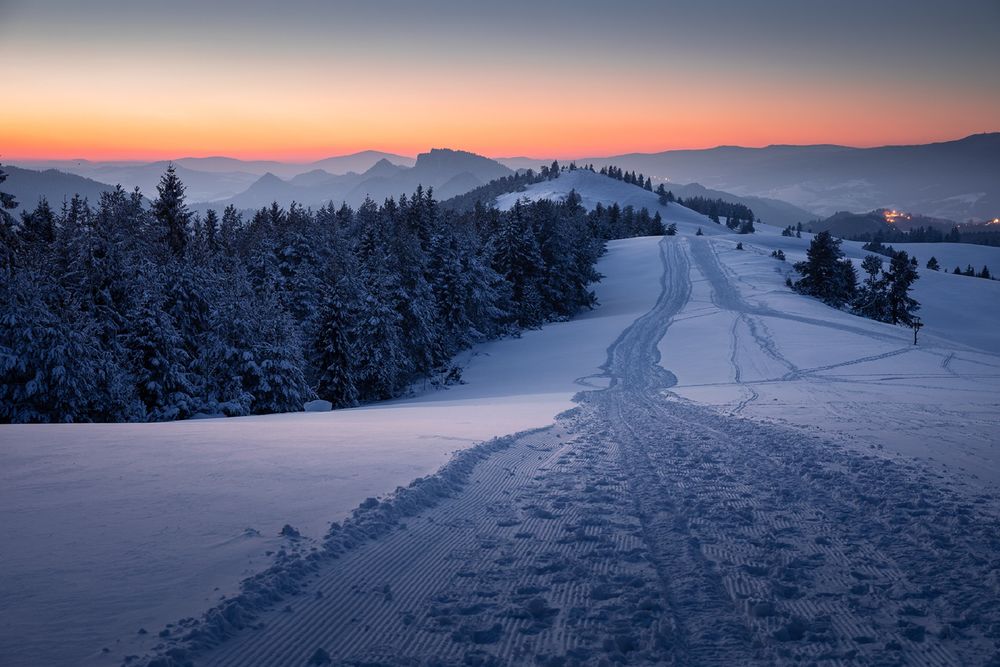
[[210, 178], [957, 180], [954, 180], [447, 171], [28, 186]]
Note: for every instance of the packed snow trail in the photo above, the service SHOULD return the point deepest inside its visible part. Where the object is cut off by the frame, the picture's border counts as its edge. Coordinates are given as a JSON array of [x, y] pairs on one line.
[[644, 529]]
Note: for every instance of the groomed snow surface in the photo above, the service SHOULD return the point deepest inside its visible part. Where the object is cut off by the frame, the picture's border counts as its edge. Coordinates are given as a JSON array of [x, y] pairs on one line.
[[749, 477]]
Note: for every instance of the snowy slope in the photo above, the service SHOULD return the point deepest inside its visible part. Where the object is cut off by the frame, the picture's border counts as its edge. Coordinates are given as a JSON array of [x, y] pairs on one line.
[[597, 189], [960, 309], [746, 344]]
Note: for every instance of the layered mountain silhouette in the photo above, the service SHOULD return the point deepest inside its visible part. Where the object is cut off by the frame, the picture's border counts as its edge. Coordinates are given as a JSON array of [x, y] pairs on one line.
[[211, 178], [953, 179], [29, 186], [448, 172]]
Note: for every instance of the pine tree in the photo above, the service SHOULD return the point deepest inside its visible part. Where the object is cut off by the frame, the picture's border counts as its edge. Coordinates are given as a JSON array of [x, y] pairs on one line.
[[211, 232], [38, 228], [985, 273], [517, 258], [279, 384], [171, 212], [933, 265], [900, 278], [48, 364], [7, 236], [161, 365], [381, 360], [825, 275], [871, 300]]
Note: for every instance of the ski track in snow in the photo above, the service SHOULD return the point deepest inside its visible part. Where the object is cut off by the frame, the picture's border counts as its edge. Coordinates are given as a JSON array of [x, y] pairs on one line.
[[642, 528]]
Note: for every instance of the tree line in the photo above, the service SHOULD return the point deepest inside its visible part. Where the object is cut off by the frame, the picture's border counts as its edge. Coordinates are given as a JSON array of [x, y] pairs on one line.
[[739, 217], [933, 264], [930, 234], [630, 177], [123, 311]]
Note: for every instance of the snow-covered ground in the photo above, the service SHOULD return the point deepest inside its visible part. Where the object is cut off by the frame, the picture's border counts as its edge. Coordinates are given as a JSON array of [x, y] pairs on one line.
[[746, 344], [582, 537]]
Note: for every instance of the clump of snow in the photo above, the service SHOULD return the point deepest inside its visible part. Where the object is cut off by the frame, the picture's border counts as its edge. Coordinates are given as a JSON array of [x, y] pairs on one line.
[[319, 405]]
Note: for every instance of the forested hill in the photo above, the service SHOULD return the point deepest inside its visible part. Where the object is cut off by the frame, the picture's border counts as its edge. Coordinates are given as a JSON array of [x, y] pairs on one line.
[[123, 312]]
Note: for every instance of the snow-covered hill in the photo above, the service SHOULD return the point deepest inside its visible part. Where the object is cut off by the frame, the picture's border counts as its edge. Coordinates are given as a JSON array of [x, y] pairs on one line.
[[596, 189]]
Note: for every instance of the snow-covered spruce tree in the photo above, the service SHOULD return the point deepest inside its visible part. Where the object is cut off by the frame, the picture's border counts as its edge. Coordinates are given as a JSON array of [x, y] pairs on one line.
[[171, 212], [160, 363], [517, 258], [933, 264], [334, 347], [188, 300], [297, 260], [37, 232], [871, 298], [8, 238], [277, 381], [229, 361], [414, 296], [230, 230], [901, 307], [826, 275], [49, 365], [381, 360], [450, 283]]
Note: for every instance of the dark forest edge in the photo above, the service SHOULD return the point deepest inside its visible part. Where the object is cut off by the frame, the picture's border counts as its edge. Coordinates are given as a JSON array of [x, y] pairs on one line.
[[123, 312]]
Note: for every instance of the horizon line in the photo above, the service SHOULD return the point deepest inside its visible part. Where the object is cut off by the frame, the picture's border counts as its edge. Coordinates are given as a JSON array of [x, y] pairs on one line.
[[304, 162]]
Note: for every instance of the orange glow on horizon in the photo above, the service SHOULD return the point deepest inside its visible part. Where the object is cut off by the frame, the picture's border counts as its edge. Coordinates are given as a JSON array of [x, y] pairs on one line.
[[277, 109], [306, 79]]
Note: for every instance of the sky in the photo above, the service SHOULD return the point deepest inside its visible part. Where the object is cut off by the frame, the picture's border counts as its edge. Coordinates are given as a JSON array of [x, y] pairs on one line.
[[306, 79]]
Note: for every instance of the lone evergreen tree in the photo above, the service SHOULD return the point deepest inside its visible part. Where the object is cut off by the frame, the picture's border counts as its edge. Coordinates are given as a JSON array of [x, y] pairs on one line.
[[933, 265]]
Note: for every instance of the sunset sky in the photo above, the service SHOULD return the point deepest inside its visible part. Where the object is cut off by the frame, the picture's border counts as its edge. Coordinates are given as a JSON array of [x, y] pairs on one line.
[[304, 79]]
